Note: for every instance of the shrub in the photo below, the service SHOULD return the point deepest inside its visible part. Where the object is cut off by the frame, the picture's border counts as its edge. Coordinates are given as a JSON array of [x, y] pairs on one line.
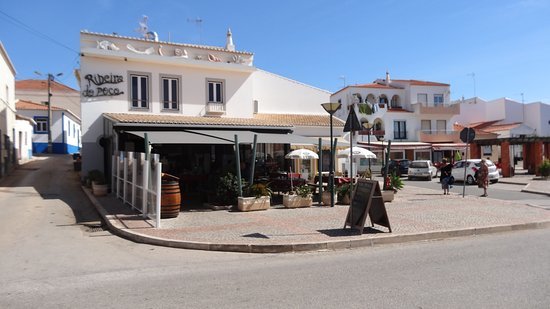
[[227, 189], [303, 191], [544, 168], [258, 190]]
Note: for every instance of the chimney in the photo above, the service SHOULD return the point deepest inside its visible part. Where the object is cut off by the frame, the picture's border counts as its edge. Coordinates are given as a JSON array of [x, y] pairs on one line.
[[229, 41], [388, 81]]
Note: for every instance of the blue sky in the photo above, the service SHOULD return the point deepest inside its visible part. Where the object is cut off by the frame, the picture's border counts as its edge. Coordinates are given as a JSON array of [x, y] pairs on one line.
[[506, 44]]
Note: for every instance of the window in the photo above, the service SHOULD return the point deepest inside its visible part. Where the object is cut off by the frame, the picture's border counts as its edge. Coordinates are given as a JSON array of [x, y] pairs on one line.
[[215, 91], [438, 99], [426, 126], [487, 150], [170, 93], [441, 126], [422, 98], [41, 125], [139, 88], [399, 129]]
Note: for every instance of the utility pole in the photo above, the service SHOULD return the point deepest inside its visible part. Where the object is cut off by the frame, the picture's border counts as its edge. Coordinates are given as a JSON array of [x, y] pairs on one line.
[[51, 77]]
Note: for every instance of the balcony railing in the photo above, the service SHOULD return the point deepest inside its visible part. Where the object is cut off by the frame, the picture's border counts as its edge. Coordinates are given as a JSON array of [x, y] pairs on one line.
[[215, 109], [442, 109], [438, 136]]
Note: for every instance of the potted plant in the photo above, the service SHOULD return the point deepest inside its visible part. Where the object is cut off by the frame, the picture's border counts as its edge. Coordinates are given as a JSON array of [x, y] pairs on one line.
[[544, 169], [302, 197], [344, 194], [393, 183], [99, 184], [258, 197], [226, 192]]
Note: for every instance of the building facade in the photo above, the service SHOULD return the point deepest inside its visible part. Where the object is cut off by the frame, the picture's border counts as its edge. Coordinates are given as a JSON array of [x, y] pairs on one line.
[[36, 90], [7, 113], [415, 115], [65, 128], [189, 101]]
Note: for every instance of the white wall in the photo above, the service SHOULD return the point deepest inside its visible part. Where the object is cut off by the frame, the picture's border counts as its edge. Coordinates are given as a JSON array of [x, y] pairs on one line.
[[471, 111], [7, 95], [24, 130], [276, 94]]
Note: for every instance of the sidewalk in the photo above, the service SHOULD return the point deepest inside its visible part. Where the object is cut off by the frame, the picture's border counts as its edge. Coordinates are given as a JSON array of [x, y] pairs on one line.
[[415, 214]]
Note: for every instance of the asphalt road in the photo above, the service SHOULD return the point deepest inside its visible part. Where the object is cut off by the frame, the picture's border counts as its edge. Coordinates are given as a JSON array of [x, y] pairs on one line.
[[50, 258]]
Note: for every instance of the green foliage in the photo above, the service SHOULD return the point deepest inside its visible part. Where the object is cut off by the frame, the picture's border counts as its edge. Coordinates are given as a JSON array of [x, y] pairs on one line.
[[343, 190], [303, 191], [544, 168], [258, 190], [395, 182], [97, 176], [365, 109], [227, 189]]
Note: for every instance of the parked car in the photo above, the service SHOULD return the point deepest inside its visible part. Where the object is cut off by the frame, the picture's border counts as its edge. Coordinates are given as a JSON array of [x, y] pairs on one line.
[[398, 166], [471, 168], [422, 169]]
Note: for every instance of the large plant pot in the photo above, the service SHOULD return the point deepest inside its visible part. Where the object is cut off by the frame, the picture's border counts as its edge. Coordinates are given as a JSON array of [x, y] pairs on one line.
[[346, 200], [254, 203], [99, 189], [387, 195], [325, 198], [296, 201]]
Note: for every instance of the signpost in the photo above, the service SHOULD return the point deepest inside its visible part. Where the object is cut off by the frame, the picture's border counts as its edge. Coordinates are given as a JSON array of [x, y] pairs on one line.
[[367, 201], [467, 136]]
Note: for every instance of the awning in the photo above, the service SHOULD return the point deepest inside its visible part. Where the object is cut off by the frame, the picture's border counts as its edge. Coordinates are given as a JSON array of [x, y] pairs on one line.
[[448, 146], [221, 137], [397, 145]]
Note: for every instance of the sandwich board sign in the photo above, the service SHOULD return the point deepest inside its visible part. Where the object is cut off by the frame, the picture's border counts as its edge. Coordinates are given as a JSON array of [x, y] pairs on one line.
[[367, 201]]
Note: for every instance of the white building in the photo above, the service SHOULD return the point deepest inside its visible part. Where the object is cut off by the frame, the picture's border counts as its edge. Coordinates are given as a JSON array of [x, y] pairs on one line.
[[24, 128], [7, 112], [415, 115], [65, 128], [36, 90], [179, 93]]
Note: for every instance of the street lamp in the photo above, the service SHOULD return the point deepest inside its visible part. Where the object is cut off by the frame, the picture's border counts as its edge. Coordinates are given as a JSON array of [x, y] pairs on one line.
[[367, 125], [331, 108], [51, 77]]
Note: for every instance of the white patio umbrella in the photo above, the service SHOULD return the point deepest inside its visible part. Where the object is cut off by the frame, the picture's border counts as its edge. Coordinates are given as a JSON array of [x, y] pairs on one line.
[[304, 154], [357, 152], [301, 154]]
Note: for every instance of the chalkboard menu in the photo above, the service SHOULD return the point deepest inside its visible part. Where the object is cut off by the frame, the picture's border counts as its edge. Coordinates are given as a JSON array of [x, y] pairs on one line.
[[367, 201]]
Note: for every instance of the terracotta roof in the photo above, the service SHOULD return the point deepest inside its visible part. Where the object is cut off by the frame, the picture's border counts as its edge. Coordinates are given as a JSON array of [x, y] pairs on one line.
[[415, 82], [502, 127], [259, 120], [42, 85], [301, 119], [484, 124], [28, 105]]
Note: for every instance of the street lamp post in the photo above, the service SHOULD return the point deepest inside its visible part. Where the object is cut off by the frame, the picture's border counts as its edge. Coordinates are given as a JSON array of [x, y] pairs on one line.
[[368, 126], [51, 77], [331, 108]]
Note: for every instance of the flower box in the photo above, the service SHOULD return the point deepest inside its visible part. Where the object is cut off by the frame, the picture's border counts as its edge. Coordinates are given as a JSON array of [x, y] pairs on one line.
[[254, 203], [296, 201]]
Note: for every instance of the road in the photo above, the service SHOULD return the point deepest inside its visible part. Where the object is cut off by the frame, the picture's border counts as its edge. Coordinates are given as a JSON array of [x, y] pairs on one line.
[[51, 259], [501, 191]]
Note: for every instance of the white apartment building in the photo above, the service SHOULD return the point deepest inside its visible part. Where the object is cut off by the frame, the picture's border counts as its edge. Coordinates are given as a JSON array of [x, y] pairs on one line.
[[415, 115], [191, 100]]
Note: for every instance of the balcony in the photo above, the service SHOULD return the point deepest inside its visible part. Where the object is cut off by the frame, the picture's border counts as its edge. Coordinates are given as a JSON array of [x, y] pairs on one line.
[[438, 136], [443, 109], [215, 109]]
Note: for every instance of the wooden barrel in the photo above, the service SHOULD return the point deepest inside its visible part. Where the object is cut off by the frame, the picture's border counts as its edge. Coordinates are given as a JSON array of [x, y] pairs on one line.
[[170, 199]]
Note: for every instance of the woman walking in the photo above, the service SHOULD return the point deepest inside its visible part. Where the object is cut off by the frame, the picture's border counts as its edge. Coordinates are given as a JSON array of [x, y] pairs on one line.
[[483, 180], [446, 172]]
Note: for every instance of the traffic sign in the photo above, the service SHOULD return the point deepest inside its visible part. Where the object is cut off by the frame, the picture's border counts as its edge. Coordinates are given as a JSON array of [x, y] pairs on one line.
[[467, 135]]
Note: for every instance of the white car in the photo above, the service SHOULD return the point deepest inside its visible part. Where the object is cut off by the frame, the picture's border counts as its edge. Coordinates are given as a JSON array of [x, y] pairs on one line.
[[472, 167], [422, 169]]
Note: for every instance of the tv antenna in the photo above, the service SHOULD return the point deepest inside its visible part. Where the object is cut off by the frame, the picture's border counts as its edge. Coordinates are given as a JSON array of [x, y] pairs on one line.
[[198, 22], [143, 28]]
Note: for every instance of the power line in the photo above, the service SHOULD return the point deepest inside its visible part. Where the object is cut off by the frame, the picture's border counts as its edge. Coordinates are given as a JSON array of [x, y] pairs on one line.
[[33, 31]]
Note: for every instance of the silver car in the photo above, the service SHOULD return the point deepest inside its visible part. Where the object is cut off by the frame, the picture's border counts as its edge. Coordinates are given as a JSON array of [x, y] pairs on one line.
[[422, 169], [473, 165]]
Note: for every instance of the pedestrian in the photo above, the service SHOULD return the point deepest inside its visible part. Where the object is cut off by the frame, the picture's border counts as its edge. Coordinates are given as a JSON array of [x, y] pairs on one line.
[[483, 179], [446, 171]]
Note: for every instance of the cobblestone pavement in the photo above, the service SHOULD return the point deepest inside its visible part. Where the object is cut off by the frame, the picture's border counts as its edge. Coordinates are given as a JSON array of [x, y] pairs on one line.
[[414, 214]]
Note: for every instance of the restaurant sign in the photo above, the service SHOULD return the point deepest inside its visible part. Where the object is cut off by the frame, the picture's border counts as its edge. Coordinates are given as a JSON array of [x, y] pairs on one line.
[[102, 85]]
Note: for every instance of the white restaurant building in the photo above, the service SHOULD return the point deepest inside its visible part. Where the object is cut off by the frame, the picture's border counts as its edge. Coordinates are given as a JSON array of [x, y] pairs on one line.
[[190, 100]]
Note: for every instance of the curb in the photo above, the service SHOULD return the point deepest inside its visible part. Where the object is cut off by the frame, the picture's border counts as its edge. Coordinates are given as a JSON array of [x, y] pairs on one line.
[[116, 228]]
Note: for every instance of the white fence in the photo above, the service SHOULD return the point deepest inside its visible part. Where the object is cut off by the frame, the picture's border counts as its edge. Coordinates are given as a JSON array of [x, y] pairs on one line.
[[137, 182]]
